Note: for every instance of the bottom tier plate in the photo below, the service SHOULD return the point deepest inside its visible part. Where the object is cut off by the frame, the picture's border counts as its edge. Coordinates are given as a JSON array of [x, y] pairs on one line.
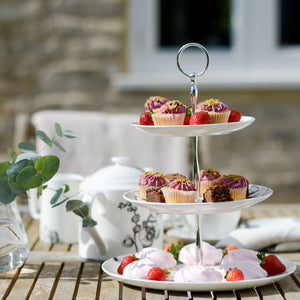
[[257, 193], [110, 267]]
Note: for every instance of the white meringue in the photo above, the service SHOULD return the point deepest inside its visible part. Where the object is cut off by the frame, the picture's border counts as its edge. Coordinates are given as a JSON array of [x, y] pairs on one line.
[[198, 274], [211, 255]]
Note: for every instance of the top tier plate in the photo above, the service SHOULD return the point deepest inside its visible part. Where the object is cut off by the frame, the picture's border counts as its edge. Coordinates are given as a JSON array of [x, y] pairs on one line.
[[196, 130]]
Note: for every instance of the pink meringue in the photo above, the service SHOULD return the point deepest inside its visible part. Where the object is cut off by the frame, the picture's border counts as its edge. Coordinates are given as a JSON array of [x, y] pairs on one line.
[[211, 255]]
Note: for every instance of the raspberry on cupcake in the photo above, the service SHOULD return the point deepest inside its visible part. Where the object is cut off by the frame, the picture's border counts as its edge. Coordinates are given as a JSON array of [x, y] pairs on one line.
[[171, 113], [155, 102], [238, 186], [150, 179], [218, 111], [180, 191], [208, 178]]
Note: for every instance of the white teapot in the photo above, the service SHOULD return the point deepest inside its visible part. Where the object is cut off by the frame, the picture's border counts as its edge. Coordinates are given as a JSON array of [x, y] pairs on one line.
[[122, 227]]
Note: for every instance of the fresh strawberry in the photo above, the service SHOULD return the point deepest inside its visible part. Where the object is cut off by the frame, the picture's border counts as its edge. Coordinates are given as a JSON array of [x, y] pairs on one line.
[[234, 275], [157, 273], [228, 248], [145, 119], [271, 263], [188, 114], [173, 249], [126, 261], [200, 118], [234, 116]]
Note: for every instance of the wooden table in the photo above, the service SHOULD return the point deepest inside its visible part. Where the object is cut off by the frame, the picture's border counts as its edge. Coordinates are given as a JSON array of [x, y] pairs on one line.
[[55, 271]]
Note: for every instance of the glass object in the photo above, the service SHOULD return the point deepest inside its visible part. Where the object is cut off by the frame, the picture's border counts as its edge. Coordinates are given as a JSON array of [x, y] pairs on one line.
[[289, 22], [205, 21], [14, 248]]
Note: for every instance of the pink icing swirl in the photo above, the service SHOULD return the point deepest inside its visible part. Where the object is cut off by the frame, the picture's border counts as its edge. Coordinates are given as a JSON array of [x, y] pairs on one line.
[[212, 105], [234, 181], [155, 102], [181, 184], [173, 107], [209, 174], [152, 179]]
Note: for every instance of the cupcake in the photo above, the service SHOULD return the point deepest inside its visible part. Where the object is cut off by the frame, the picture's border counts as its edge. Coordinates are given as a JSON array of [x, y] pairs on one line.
[[171, 113], [180, 191], [218, 111], [238, 186], [155, 102], [208, 178], [150, 179]]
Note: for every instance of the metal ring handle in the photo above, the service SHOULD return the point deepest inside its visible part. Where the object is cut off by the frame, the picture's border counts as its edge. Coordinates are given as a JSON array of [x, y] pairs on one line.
[[195, 75]]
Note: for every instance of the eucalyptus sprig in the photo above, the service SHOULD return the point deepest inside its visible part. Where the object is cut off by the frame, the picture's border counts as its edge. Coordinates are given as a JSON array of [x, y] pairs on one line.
[[29, 170]]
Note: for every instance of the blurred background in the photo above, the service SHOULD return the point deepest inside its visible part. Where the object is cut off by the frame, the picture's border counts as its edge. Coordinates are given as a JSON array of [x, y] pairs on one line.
[[111, 55]]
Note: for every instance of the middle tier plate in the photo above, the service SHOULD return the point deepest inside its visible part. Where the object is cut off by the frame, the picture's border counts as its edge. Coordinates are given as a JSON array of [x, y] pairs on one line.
[[257, 193], [195, 130]]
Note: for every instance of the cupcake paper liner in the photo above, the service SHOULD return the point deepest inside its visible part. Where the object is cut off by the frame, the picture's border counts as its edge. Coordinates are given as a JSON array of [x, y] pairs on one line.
[[178, 196], [238, 194], [205, 185], [168, 119], [219, 117]]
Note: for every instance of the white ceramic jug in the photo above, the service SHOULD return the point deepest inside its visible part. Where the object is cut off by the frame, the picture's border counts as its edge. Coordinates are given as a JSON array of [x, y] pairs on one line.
[[122, 227]]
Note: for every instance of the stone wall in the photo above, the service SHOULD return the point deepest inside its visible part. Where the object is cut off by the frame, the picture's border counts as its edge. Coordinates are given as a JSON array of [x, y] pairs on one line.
[[62, 54]]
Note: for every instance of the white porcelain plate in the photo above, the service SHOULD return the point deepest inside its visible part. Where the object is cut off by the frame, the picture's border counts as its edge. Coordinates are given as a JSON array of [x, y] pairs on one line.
[[110, 267], [257, 193], [196, 130]]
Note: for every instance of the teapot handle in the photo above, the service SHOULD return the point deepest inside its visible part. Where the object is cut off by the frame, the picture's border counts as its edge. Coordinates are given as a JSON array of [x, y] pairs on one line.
[[95, 235], [32, 203]]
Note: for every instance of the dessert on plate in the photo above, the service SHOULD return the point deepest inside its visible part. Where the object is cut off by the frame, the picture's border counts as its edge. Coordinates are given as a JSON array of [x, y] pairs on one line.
[[180, 191], [155, 102], [150, 179], [238, 186], [218, 111], [208, 178], [171, 113], [217, 193]]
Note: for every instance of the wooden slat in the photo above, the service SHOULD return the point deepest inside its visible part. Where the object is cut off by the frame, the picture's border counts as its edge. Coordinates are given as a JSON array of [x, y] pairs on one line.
[[7, 281], [248, 294], [269, 292], [131, 292], [109, 288], [201, 295]]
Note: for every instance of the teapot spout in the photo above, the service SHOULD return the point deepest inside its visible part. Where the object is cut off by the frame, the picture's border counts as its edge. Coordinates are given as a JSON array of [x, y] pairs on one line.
[[98, 240]]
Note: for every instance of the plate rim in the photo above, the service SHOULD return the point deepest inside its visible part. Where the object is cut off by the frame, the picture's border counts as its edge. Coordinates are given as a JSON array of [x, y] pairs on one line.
[[199, 286]]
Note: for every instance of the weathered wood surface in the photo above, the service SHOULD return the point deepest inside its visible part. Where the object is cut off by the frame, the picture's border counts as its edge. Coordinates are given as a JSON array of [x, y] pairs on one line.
[[55, 271]]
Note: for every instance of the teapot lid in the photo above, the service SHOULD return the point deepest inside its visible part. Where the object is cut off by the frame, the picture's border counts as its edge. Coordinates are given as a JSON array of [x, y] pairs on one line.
[[119, 176]]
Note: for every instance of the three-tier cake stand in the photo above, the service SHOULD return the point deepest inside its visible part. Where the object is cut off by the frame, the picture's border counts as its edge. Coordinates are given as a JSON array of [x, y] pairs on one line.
[[257, 193]]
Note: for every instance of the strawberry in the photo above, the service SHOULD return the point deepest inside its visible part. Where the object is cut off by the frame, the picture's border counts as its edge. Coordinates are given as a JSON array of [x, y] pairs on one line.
[[235, 116], [188, 114], [271, 263], [173, 249], [157, 273], [234, 275], [228, 248], [145, 119], [200, 118], [126, 261]]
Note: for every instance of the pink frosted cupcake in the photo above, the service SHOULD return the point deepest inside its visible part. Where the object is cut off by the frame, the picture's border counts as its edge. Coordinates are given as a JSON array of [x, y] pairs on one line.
[[238, 186], [218, 111], [171, 113], [208, 178], [155, 102], [180, 191], [150, 179]]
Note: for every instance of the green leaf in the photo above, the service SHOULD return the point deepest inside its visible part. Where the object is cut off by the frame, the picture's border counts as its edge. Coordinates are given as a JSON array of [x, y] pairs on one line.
[[56, 196], [44, 137], [26, 147], [88, 222], [12, 153], [28, 178], [82, 211], [14, 187], [70, 134], [67, 188], [6, 194], [73, 204], [47, 166], [59, 146], [58, 130], [14, 169], [28, 155], [4, 166]]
